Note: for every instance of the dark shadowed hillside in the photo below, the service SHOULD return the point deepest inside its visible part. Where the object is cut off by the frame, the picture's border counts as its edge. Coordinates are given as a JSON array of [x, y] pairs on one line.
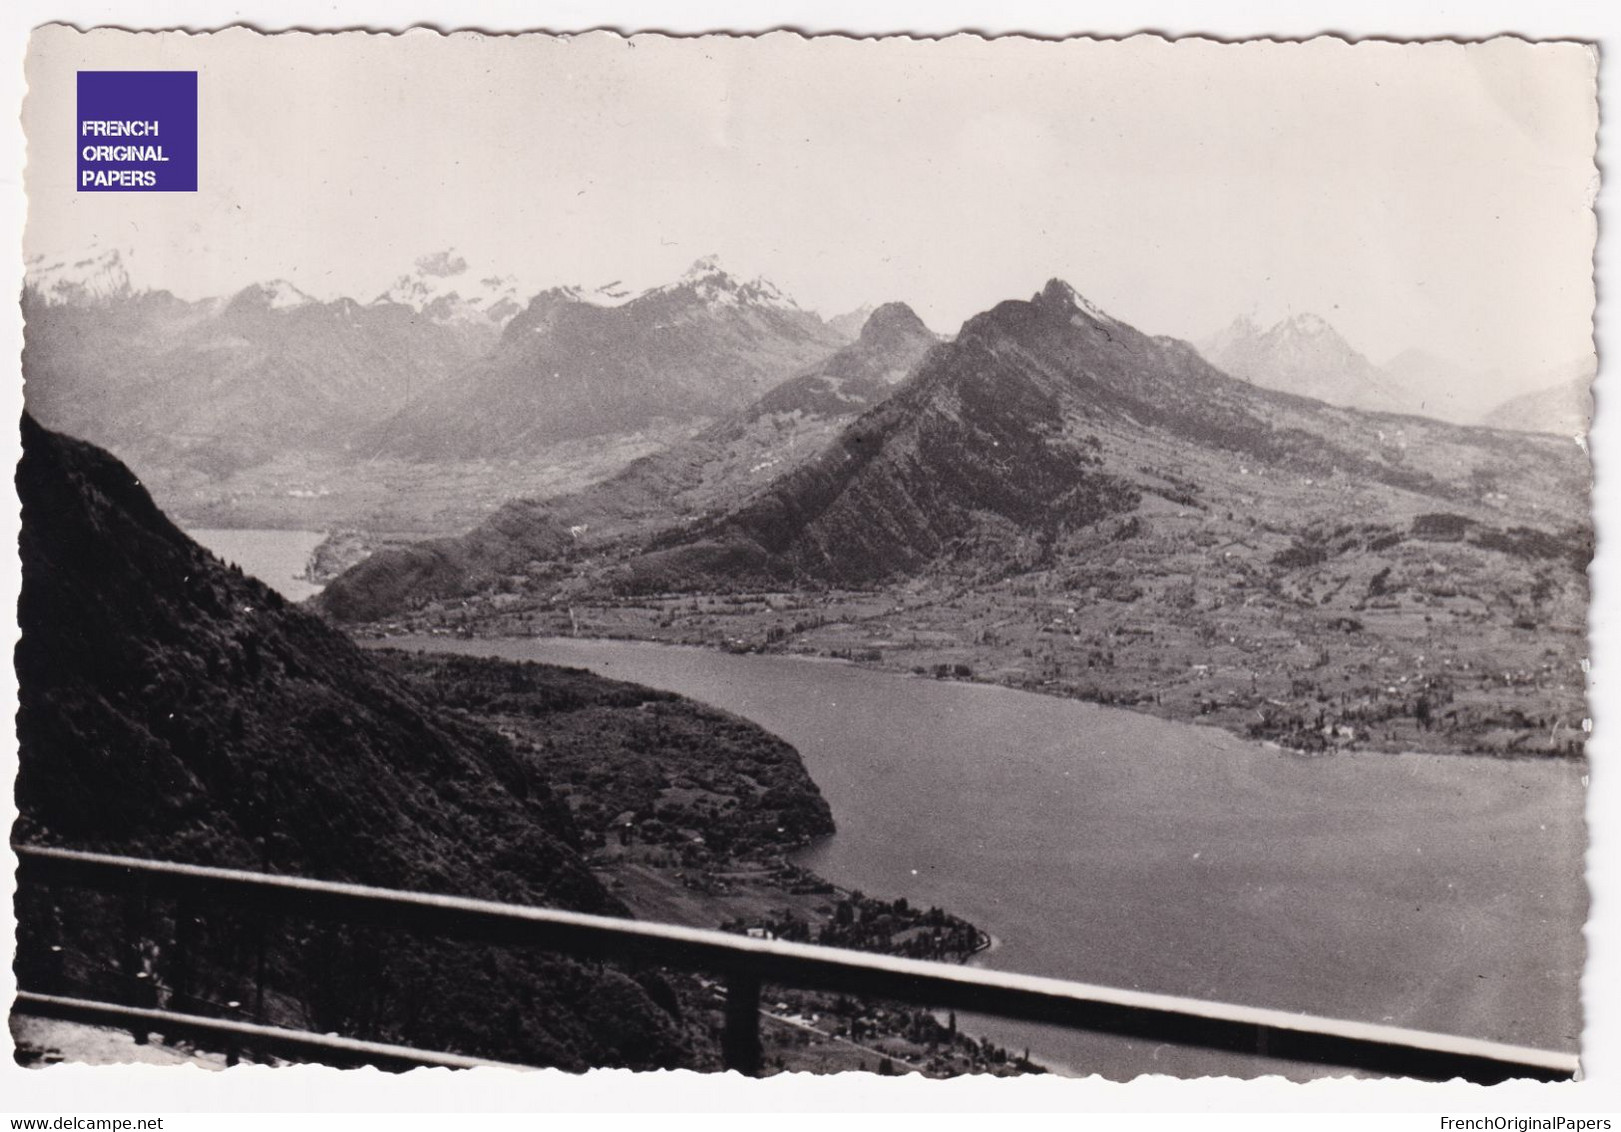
[[1041, 419], [162, 691], [173, 708], [703, 781]]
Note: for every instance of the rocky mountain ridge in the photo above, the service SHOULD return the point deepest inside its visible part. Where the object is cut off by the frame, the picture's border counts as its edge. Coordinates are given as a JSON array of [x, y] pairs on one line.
[[1027, 428], [720, 466], [1056, 501]]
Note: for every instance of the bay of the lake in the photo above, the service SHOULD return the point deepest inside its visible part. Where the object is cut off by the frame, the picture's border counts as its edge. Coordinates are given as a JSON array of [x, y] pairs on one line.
[[1439, 892]]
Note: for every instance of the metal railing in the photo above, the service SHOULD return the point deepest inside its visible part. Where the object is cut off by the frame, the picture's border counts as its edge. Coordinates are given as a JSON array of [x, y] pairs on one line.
[[745, 964]]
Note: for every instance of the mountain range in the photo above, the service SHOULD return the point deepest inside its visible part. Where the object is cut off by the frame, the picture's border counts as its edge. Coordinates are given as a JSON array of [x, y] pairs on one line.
[[1304, 354], [419, 412], [1041, 419], [740, 453], [1056, 500], [222, 383], [444, 364], [571, 365]]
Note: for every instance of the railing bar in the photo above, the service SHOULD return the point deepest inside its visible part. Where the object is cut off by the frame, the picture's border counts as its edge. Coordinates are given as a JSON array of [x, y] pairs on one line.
[[269, 1038], [1108, 1009]]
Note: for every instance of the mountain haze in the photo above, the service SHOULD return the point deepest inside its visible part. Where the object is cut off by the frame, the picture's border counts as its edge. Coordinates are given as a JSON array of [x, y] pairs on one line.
[[1564, 408], [570, 366], [219, 384], [1306, 356], [717, 468]]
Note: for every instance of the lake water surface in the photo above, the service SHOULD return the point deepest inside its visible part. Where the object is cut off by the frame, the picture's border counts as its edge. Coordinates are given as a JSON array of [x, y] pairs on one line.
[[276, 558], [1436, 892]]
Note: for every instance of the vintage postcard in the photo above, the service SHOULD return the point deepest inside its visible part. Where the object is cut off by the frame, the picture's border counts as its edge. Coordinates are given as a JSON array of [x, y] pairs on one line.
[[799, 554]]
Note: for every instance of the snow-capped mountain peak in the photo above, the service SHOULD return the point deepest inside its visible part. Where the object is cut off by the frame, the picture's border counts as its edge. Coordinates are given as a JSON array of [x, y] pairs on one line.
[[702, 268], [96, 276], [443, 287], [714, 286], [276, 295], [1305, 324]]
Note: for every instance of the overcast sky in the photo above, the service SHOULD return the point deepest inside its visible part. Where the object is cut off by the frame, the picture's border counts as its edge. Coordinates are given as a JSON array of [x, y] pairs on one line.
[[1432, 196]]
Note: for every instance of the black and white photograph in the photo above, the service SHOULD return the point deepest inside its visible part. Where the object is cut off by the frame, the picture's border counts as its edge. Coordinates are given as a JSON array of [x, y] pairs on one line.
[[799, 554]]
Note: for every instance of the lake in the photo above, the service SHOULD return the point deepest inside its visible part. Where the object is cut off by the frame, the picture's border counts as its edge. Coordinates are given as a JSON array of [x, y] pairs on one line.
[[276, 558], [1436, 892]]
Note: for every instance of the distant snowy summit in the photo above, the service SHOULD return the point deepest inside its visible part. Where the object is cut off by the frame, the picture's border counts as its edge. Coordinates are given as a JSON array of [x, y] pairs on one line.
[[1306, 355], [96, 276], [276, 295], [578, 362], [713, 285], [443, 287], [440, 286]]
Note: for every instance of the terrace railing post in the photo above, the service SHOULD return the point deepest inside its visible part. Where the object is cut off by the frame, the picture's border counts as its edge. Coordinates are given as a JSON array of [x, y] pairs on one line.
[[259, 971], [132, 962], [233, 1011], [740, 1041], [180, 965]]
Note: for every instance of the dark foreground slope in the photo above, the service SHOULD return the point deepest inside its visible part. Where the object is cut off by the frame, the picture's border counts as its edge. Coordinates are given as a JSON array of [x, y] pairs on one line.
[[713, 471], [172, 708]]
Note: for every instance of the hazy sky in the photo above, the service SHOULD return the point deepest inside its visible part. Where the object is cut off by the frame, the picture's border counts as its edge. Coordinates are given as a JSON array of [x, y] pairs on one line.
[[1434, 196]]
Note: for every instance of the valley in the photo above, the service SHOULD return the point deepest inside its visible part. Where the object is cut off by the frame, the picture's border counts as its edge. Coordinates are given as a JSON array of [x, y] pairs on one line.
[[387, 500]]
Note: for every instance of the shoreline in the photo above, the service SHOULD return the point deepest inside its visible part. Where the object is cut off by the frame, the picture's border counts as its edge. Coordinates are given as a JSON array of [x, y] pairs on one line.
[[368, 635]]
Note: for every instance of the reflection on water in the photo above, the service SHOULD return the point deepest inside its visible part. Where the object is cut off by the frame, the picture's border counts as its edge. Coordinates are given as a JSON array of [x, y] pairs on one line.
[[1436, 892]]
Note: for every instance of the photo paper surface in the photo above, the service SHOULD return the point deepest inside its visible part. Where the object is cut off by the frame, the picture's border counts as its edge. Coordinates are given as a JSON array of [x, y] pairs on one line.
[[935, 557]]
